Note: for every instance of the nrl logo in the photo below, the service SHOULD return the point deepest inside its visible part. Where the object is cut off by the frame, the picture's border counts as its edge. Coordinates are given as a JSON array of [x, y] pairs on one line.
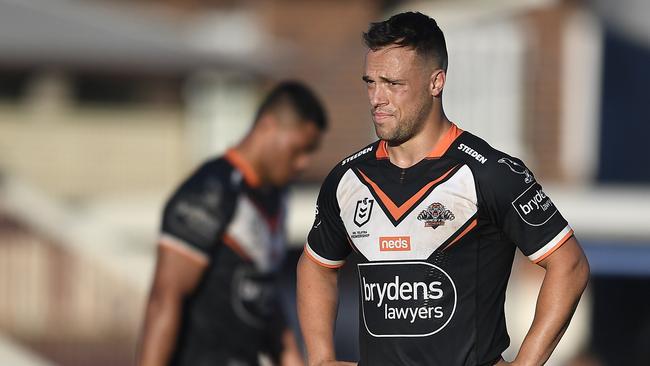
[[362, 211], [517, 168], [435, 215]]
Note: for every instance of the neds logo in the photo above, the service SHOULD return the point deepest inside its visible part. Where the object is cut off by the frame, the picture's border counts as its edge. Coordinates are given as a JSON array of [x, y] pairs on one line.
[[394, 243]]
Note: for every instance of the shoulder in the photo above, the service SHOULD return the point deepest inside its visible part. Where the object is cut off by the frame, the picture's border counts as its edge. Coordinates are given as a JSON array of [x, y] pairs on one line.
[[358, 157], [200, 208], [367, 152], [501, 179], [211, 184], [488, 163], [216, 173]]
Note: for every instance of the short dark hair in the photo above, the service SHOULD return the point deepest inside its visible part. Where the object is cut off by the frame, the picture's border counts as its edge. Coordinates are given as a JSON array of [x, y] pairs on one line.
[[410, 29], [301, 99]]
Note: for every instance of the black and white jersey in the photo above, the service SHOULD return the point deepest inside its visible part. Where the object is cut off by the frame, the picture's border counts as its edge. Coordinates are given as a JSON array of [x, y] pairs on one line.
[[436, 243], [221, 215]]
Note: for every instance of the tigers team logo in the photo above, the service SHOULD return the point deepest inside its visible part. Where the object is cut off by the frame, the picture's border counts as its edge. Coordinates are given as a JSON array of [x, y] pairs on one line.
[[435, 215], [362, 211]]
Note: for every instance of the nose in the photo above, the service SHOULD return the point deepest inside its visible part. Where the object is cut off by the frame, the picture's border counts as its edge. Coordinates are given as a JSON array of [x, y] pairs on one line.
[[377, 96]]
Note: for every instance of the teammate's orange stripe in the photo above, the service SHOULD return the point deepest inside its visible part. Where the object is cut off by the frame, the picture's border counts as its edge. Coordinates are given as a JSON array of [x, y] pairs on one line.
[[188, 253], [232, 243], [467, 230], [564, 239], [394, 210], [315, 260], [446, 141], [244, 167]]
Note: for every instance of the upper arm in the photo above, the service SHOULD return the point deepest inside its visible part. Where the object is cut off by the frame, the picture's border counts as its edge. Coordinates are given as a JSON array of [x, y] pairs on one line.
[[327, 241], [193, 220], [308, 267], [569, 256], [196, 215], [518, 205], [177, 274]]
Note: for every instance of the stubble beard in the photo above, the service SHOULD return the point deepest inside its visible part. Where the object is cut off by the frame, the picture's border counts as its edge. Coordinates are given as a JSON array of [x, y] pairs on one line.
[[407, 128]]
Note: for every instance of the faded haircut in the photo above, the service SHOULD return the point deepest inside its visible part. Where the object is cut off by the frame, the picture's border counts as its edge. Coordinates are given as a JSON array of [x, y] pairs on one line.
[[411, 29]]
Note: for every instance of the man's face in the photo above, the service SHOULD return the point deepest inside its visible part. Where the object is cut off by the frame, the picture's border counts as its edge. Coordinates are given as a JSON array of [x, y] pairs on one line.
[[398, 82], [291, 151]]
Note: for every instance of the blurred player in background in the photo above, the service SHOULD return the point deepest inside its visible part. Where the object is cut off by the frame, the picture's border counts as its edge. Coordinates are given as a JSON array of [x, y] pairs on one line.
[[435, 215], [214, 299]]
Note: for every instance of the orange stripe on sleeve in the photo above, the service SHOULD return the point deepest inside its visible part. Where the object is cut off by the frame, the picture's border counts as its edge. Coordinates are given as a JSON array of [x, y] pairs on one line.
[[312, 257], [170, 243], [559, 244]]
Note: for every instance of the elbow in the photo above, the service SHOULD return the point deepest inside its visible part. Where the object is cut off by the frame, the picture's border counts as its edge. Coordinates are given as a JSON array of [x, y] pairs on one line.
[[581, 272], [584, 271]]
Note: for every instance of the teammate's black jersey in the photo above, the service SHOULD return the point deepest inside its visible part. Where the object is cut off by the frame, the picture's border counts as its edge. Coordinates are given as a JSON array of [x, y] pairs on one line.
[[222, 216], [436, 243]]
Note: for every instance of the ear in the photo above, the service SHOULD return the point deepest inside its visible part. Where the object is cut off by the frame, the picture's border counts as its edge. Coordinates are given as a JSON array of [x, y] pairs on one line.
[[437, 82], [267, 121]]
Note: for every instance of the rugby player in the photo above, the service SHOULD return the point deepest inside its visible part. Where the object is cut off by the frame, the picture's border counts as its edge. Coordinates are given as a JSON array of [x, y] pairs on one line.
[[214, 299], [435, 215]]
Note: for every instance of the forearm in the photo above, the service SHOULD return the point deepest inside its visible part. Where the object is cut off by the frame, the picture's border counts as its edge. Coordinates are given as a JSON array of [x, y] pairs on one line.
[[159, 333], [556, 303], [317, 293]]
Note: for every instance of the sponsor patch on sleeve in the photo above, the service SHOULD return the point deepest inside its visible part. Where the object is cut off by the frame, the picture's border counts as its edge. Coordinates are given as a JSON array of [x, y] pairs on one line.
[[533, 206]]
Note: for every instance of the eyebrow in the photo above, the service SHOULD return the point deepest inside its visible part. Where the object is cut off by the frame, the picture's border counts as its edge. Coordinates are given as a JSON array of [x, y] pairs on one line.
[[367, 78]]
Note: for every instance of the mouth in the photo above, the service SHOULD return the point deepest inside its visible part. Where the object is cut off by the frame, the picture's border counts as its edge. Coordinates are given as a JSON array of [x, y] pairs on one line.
[[379, 116]]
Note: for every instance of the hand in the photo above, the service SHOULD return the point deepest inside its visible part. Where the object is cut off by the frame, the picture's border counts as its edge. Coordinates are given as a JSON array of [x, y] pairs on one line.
[[291, 358], [503, 362]]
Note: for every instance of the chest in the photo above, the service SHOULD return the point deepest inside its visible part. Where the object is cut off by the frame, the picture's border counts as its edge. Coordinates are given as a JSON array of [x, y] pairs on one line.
[[256, 235], [432, 216]]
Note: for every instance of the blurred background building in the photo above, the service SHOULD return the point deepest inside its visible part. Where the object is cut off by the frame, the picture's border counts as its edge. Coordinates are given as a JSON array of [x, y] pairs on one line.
[[105, 106]]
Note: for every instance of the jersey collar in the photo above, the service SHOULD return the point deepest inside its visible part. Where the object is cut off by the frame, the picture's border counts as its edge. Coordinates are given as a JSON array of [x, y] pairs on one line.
[[245, 168], [439, 150]]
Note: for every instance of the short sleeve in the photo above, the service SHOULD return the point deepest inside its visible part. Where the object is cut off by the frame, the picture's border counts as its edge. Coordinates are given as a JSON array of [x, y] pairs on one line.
[[195, 216], [327, 242], [523, 211]]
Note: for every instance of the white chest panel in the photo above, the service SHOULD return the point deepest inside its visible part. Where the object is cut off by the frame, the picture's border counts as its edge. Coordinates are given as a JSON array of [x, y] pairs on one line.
[[253, 234], [378, 239]]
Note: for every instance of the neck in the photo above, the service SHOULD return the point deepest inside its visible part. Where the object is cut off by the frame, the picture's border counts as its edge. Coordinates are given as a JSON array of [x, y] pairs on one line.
[[252, 152], [410, 152]]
